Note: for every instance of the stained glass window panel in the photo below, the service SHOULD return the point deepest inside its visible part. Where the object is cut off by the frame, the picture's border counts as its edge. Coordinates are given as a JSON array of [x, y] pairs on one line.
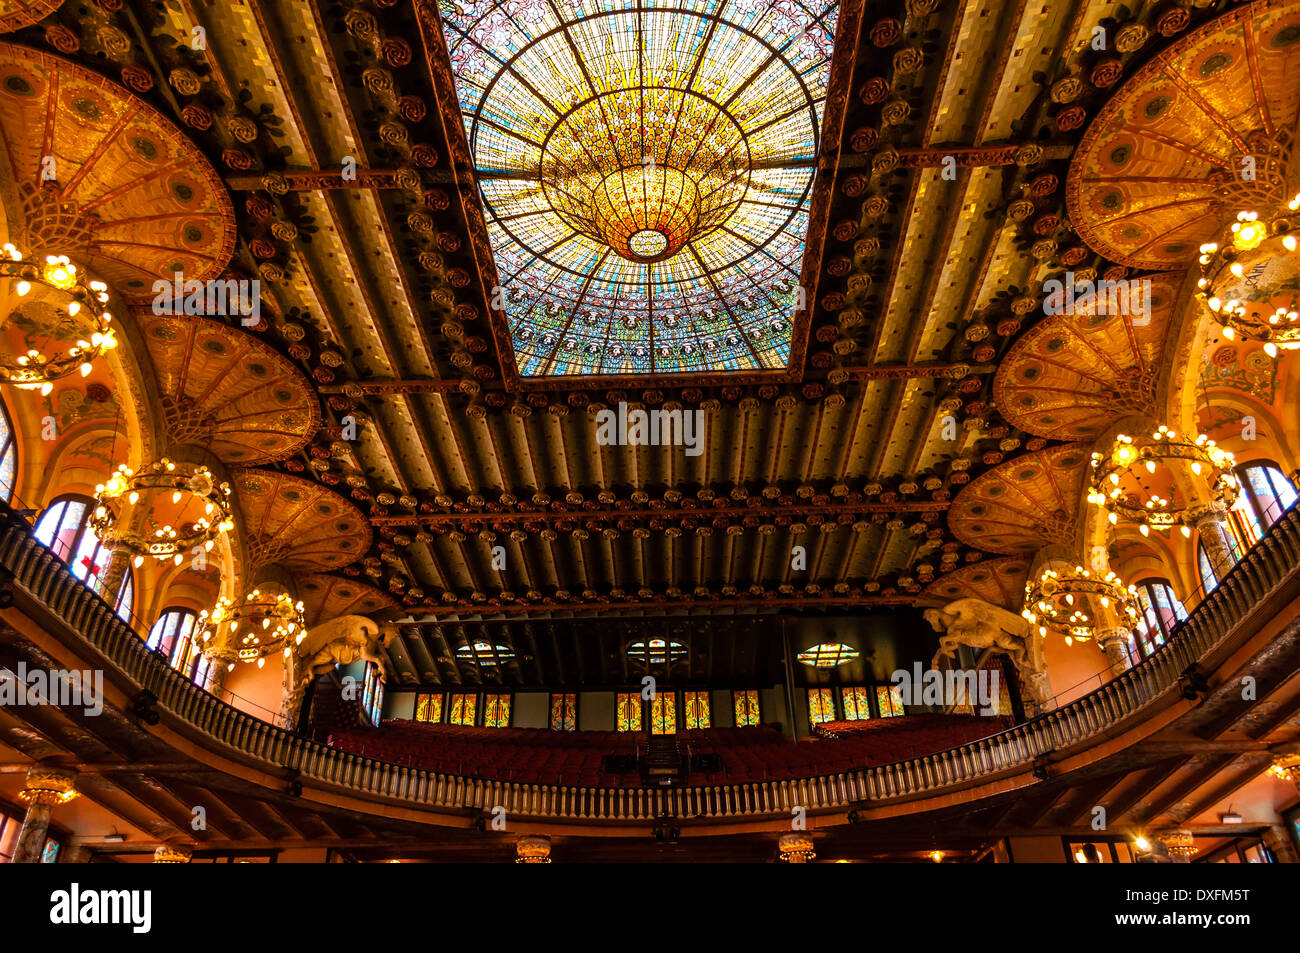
[[821, 705], [696, 709], [646, 174], [889, 699], [857, 704], [8, 456], [628, 706], [745, 704], [496, 711], [564, 712], [463, 709], [428, 707], [663, 714]]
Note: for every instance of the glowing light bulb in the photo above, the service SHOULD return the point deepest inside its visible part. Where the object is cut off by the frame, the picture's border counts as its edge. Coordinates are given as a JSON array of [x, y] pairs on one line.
[[23, 287]]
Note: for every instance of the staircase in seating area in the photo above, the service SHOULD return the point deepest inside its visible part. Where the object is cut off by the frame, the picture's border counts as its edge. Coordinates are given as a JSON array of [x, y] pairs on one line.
[[663, 762]]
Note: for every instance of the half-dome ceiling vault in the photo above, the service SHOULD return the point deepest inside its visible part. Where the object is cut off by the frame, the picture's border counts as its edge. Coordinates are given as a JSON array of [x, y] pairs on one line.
[[646, 174]]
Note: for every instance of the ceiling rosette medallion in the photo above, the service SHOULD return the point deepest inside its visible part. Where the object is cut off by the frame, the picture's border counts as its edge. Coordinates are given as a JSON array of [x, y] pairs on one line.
[[224, 389], [1190, 139], [298, 524], [103, 177], [1022, 505]]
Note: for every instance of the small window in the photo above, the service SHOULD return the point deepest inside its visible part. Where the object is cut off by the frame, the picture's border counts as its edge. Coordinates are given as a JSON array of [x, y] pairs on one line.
[[463, 710], [889, 699], [564, 712], [496, 711], [695, 708], [628, 710], [821, 706], [857, 707], [663, 713], [428, 707], [745, 704]]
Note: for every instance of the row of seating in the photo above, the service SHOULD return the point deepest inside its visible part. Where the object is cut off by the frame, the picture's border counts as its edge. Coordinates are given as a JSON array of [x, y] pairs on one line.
[[540, 756]]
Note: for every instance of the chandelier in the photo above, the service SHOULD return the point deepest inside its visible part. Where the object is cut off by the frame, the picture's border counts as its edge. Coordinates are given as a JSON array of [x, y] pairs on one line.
[[1120, 487], [796, 848], [1179, 843], [533, 849], [81, 302], [1250, 281], [1072, 602], [187, 509], [259, 624], [1286, 767]]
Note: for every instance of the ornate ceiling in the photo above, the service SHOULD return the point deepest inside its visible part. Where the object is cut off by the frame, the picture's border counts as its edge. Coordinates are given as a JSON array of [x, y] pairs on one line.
[[646, 175], [918, 418]]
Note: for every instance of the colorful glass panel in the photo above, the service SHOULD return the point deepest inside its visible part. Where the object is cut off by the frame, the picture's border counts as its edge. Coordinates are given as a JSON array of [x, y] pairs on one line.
[[857, 704], [564, 712], [663, 714], [463, 709], [695, 707], [821, 705], [428, 707], [8, 456], [628, 710], [746, 708], [828, 655], [496, 711], [889, 699], [646, 174]]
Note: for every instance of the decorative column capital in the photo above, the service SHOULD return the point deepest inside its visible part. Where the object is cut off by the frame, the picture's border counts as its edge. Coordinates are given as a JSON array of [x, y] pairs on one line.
[[48, 785]]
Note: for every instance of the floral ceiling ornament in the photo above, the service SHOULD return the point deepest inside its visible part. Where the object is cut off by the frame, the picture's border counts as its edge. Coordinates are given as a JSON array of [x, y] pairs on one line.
[[66, 307], [184, 510], [1135, 481]]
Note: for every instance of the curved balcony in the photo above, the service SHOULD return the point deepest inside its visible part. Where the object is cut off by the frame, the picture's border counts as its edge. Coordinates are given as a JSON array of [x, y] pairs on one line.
[[1232, 614]]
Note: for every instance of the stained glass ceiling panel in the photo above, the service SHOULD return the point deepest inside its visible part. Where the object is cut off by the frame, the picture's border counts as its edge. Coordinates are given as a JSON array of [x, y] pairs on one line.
[[646, 170]]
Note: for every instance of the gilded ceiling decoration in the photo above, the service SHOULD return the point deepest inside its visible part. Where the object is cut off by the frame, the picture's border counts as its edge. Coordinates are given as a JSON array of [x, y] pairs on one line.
[[1024, 504], [108, 180], [1159, 171], [1071, 375], [297, 524], [646, 175], [999, 581], [16, 14], [225, 389], [327, 597]]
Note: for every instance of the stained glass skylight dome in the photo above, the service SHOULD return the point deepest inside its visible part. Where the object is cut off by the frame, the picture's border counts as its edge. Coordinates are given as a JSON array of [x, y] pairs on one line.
[[646, 172]]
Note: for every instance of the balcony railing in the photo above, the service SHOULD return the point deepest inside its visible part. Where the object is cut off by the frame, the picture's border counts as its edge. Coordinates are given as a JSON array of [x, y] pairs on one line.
[[274, 749]]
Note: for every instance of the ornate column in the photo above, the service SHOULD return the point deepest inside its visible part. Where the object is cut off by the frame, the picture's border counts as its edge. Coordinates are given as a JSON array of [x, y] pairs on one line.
[[1211, 522], [1114, 640], [45, 787]]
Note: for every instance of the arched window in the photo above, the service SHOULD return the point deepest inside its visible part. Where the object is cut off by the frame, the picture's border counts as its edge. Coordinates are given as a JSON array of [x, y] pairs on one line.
[[1266, 490], [1161, 610], [173, 635], [8, 455], [64, 529]]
